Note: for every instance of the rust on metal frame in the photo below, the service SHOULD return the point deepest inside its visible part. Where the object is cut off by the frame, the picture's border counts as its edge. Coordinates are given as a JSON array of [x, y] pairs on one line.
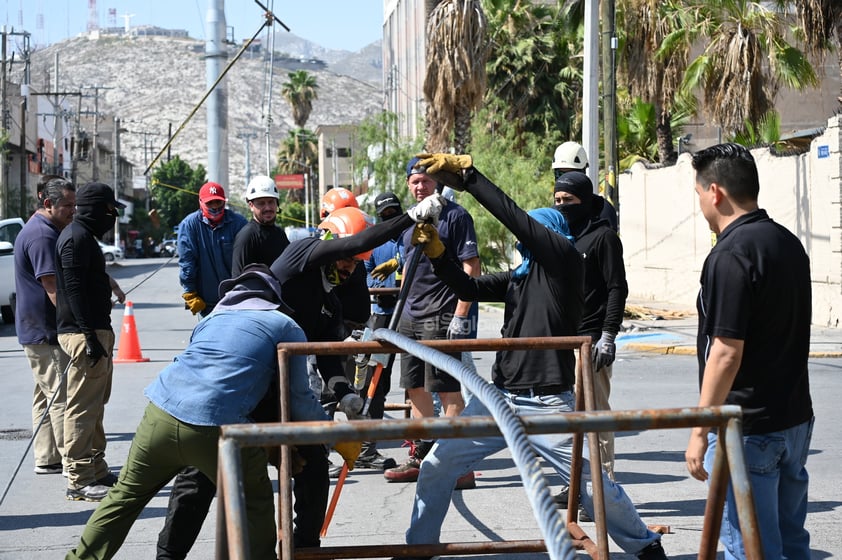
[[727, 419]]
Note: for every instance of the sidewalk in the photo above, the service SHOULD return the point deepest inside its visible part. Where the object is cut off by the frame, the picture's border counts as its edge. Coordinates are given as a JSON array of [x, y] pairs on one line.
[[663, 328]]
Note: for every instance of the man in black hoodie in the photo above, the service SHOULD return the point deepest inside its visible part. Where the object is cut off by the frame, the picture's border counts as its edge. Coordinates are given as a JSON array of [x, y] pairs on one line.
[[605, 289], [83, 314]]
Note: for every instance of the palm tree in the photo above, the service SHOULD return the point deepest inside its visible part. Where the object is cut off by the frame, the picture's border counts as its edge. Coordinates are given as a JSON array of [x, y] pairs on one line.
[[298, 153], [820, 23], [455, 81], [745, 61], [534, 69], [654, 55], [300, 92]]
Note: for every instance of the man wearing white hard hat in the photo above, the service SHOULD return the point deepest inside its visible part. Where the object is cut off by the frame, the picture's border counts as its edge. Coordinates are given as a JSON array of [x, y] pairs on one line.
[[571, 156], [261, 240]]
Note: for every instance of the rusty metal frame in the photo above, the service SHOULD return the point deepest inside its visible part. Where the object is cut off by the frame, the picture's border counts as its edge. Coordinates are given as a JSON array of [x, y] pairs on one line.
[[232, 539]]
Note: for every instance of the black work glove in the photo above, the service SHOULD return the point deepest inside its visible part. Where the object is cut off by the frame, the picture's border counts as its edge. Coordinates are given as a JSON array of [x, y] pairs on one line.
[[94, 349]]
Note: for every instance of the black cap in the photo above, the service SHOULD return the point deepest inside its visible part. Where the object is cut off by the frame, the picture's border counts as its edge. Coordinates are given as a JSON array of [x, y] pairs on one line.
[[91, 194], [387, 200]]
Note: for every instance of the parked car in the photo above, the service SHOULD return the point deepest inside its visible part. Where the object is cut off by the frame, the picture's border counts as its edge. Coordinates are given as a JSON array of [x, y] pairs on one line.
[[168, 248], [9, 230], [110, 252]]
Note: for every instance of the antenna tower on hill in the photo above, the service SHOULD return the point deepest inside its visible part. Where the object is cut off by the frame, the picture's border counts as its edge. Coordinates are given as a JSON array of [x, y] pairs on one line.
[[93, 16]]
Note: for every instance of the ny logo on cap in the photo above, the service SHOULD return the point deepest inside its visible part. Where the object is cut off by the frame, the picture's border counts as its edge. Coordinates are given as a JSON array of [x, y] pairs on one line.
[[212, 190]]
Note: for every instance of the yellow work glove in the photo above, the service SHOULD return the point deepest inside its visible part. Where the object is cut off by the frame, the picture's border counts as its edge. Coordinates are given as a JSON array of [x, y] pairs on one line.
[[194, 303], [382, 271], [447, 168], [428, 237], [349, 450]]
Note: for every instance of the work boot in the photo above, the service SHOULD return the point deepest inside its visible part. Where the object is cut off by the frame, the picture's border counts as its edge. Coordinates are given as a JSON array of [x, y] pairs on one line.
[[370, 458], [408, 472], [90, 493]]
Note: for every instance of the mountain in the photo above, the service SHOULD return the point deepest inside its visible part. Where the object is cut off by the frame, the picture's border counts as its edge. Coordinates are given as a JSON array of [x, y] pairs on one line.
[[152, 83]]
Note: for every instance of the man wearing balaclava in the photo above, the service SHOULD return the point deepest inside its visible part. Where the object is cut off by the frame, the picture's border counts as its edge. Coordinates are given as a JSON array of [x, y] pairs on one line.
[[83, 320], [206, 249], [605, 288]]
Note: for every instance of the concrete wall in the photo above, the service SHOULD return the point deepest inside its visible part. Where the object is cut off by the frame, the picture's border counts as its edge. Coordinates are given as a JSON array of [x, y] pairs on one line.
[[666, 238]]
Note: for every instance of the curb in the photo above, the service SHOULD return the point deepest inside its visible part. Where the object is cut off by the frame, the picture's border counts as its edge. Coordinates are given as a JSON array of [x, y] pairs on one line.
[[660, 348], [691, 350]]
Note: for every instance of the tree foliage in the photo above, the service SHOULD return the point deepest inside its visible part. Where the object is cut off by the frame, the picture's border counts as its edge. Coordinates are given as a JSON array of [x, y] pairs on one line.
[[385, 160], [526, 177], [454, 86], [300, 92], [175, 190]]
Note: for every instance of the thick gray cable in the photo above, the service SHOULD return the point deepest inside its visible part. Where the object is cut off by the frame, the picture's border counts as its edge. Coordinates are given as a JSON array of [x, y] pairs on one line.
[[553, 527]]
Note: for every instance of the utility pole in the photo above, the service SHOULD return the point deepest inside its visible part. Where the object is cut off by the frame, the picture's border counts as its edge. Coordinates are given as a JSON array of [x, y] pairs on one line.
[[609, 103], [246, 136], [94, 147], [590, 101], [4, 173]]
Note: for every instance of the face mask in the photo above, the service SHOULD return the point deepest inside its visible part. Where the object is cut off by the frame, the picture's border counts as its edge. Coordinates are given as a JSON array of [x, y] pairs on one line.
[[577, 214], [214, 217], [97, 219]]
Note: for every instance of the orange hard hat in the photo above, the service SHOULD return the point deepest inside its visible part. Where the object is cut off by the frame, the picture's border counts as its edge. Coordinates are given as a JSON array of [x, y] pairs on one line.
[[348, 221], [337, 198]]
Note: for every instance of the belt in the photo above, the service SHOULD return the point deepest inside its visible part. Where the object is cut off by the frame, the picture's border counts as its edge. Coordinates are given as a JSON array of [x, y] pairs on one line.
[[540, 391]]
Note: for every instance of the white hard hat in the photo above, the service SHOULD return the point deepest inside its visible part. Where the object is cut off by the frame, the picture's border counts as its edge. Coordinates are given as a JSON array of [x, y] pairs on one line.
[[261, 187], [570, 155]]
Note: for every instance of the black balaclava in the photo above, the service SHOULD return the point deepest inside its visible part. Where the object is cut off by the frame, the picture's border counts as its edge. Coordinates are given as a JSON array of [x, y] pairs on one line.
[[579, 185], [96, 218]]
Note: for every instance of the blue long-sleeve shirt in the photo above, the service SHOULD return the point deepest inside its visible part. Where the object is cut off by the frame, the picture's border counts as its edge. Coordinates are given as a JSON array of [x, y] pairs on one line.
[[205, 254], [227, 368]]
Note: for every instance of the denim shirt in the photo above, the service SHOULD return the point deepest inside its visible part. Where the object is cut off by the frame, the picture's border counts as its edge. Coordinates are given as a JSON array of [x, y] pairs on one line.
[[227, 368]]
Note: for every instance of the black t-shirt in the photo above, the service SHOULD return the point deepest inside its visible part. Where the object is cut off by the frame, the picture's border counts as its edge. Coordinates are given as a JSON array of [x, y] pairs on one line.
[[257, 243], [83, 288], [547, 301], [755, 287]]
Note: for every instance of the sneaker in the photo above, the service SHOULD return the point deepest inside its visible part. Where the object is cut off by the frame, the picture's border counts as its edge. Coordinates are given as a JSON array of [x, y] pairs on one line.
[[584, 517], [653, 551], [333, 471], [90, 493], [375, 461], [108, 480], [408, 472], [561, 497], [55, 468], [466, 481]]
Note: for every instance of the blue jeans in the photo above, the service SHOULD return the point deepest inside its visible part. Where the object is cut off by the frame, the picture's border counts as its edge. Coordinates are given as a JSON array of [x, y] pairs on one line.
[[451, 458], [779, 482]]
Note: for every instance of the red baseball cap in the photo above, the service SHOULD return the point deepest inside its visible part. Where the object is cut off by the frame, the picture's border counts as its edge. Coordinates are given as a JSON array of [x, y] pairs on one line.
[[211, 191]]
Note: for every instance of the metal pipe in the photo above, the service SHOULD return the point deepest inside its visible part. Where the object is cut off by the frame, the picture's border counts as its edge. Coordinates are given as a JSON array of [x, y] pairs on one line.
[[741, 486], [231, 473], [312, 433], [448, 346]]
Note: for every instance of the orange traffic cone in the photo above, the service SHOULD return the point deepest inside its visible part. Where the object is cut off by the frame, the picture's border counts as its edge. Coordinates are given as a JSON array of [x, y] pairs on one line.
[[129, 350]]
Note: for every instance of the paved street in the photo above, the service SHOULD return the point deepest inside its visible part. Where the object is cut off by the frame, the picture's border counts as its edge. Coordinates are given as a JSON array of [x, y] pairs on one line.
[[37, 523]]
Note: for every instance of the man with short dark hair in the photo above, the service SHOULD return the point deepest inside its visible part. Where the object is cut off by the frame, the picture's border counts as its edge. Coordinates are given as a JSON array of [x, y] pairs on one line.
[[35, 316], [83, 317], [261, 240], [753, 344]]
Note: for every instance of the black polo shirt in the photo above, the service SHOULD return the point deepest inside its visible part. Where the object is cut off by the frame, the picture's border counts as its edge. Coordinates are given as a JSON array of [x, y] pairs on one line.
[[756, 288]]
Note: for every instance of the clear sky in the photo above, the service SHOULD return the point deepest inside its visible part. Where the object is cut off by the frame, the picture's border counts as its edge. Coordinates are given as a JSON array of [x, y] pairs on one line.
[[336, 24]]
